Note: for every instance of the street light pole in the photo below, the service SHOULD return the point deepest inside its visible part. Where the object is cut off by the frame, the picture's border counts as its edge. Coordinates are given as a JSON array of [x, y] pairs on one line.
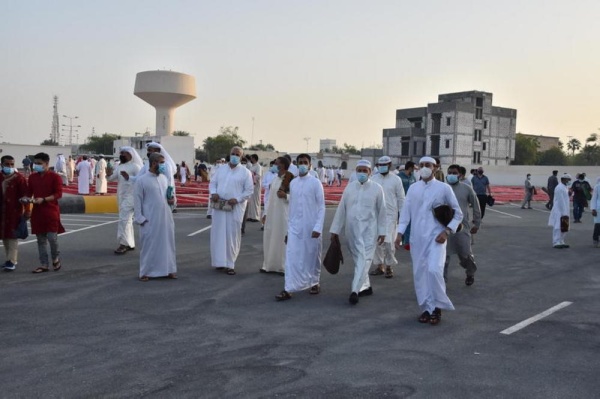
[[71, 126]]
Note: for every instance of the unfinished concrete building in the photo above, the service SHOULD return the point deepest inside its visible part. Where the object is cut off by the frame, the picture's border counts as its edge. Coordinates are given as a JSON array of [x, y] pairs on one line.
[[463, 128]]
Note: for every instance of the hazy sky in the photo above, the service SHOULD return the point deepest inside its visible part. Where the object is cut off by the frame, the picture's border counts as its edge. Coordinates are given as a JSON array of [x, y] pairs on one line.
[[319, 69]]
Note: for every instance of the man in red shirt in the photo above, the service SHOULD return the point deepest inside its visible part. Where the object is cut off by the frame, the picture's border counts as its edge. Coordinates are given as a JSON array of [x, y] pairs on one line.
[[45, 188]]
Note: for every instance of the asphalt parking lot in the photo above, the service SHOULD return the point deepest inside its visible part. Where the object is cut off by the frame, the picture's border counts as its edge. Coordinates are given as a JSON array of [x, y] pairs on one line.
[[94, 330]]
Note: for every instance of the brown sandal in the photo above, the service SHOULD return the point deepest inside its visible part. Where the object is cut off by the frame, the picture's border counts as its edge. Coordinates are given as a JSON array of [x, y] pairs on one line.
[[40, 270], [315, 289], [389, 272], [172, 276], [283, 296], [230, 272], [144, 278], [436, 317], [121, 250], [425, 317], [57, 265]]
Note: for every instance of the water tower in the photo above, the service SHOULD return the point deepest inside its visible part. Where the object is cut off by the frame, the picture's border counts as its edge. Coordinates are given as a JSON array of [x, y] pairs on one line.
[[165, 91]]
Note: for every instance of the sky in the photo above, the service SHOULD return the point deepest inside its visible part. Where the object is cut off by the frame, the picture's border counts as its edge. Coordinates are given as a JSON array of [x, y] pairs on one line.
[[300, 68]]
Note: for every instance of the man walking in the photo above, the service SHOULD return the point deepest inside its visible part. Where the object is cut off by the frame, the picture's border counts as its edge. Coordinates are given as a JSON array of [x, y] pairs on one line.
[[580, 189], [408, 178], [362, 211], [100, 171], [14, 187], [129, 166], [552, 183], [84, 176], [481, 186], [393, 191], [153, 214], [304, 239], [460, 243], [230, 188], [559, 216], [529, 188], [254, 201], [428, 239], [44, 191]]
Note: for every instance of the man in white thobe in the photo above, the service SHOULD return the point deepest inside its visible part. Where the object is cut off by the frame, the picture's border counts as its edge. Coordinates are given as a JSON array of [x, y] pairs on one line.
[[254, 201], [268, 179], [275, 219], [560, 208], [393, 190], [153, 214], [129, 166], [213, 170], [70, 169], [92, 162], [84, 176], [304, 239], [428, 239], [100, 171], [293, 167], [154, 147], [61, 168], [362, 211], [229, 189]]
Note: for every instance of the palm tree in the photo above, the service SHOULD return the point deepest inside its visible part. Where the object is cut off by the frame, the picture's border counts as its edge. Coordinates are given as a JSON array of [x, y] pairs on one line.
[[573, 145]]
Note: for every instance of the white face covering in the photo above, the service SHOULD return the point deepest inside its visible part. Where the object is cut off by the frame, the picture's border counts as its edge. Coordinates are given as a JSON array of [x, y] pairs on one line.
[[425, 173]]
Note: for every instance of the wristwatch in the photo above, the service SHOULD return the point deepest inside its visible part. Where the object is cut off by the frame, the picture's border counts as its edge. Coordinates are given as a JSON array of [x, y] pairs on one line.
[[448, 230]]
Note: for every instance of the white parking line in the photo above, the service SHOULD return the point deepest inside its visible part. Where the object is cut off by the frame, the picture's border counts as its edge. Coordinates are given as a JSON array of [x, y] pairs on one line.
[[535, 318], [532, 209], [73, 231], [199, 231], [503, 213]]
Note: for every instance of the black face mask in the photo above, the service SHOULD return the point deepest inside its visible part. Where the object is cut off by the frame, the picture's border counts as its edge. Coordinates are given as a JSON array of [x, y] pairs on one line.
[[148, 154], [122, 159]]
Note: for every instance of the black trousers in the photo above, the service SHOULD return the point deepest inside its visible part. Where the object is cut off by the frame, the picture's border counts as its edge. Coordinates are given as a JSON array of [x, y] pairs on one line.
[[482, 203]]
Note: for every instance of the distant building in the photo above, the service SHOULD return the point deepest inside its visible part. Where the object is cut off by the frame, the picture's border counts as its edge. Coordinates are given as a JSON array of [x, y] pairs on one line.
[[545, 142], [371, 154], [461, 128], [180, 148], [326, 145]]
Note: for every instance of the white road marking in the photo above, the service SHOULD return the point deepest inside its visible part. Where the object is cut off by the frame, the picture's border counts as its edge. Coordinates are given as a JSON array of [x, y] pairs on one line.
[[535, 318], [73, 231], [503, 213], [532, 209], [199, 231]]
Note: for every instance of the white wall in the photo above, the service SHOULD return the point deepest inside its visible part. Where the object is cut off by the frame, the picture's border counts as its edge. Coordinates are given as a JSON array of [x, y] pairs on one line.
[[515, 175], [19, 151]]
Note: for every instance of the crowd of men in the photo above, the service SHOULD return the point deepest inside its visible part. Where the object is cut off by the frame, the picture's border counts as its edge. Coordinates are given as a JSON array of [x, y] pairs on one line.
[[433, 215]]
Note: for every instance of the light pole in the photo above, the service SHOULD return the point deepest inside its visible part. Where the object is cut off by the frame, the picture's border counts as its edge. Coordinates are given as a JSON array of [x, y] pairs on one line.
[[307, 139], [71, 126]]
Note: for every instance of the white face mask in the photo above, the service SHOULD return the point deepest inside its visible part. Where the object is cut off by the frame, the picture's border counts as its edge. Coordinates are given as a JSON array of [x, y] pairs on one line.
[[425, 172]]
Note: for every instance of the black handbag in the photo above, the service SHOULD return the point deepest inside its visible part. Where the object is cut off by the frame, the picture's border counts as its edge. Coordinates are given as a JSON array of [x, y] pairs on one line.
[[490, 200], [444, 214], [21, 231], [333, 257]]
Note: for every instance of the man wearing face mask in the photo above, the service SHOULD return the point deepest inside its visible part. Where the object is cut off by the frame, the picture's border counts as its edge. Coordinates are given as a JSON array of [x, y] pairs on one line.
[[230, 188], [304, 240], [266, 182], [528, 193], [44, 191], [393, 191], [559, 216], [213, 170], [428, 239], [14, 187], [129, 166], [481, 186], [362, 211], [152, 212], [275, 218], [84, 176], [460, 243]]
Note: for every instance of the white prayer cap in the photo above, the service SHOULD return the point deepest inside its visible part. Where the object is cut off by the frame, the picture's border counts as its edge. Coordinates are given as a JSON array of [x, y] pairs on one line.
[[427, 159], [566, 176], [363, 162], [384, 159], [135, 157]]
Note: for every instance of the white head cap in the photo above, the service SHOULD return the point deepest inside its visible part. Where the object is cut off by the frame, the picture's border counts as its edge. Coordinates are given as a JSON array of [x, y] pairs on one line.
[[363, 162], [566, 176], [427, 159], [384, 159]]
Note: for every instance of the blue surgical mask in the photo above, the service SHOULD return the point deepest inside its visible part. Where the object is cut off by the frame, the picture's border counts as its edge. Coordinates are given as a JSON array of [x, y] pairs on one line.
[[274, 169], [383, 169], [303, 169], [162, 168], [362, 177], [38, 168], [452, 179], [8, 171], [234, 159]]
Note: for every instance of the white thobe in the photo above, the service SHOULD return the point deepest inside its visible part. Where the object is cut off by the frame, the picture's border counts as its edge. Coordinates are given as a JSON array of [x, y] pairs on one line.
[[394, 199], [92, 162], [293, 169], [213, 170], [84, 177], [559, 209], [427, 255], [157, 229], [266, 183], [276, 225], [254, 201], [226, 229], [61, 169], [170, 175], [125, 234], [330, 176], [70, 170], [303, 253], [362, 211], [183, 175], [101, 185]]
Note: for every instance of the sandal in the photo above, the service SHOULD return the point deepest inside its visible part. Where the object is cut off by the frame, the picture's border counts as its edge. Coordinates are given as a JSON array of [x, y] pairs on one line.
[[220, 269], [376, 272], [315, 289], [40, 270], [121, 250], [436, 317], [57, 265], [425, 317], [283, 296], [172, 276], [144, 278], [389, 272], [230, 272]]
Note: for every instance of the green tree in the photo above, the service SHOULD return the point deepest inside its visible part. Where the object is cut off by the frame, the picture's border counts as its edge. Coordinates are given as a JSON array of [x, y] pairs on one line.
[[48, 142], [181, 133], [573, 145], [262, 147], [350, 149], [100, 144], [219, 146], [553, 156], [525, 150]]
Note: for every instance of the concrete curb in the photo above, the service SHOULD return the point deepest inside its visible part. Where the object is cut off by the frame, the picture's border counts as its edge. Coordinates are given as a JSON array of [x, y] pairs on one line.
[[87, 204]]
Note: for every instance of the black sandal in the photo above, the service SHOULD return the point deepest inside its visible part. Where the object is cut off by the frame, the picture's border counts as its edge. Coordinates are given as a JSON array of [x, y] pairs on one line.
[[283, 296], [315, 289], [40, 270], [436, 317], [230, 272], [425, 317], [57, 265]]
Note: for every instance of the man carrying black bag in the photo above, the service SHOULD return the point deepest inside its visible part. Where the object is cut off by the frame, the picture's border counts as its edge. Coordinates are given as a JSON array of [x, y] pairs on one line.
[[14, 213]]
